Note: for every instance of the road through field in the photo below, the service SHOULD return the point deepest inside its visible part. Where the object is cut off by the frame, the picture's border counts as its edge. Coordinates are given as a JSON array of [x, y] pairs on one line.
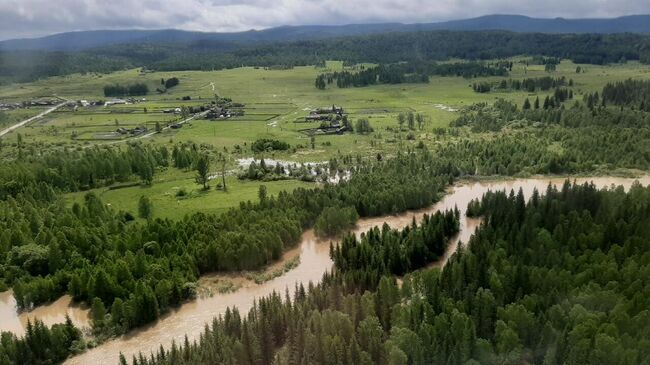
[[41, 115], [149, 134], [195, 116]]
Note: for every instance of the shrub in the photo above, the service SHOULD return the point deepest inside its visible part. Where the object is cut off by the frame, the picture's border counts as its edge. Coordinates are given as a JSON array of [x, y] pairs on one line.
[[362, 126], [169, 83], [266, 144]]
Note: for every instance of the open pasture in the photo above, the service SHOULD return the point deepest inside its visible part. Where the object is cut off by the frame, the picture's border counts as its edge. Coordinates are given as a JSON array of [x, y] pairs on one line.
[[276, 103], [168, 202]]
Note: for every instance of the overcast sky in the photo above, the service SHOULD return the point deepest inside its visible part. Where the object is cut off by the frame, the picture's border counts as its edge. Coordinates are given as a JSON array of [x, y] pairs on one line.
[[28, 18]]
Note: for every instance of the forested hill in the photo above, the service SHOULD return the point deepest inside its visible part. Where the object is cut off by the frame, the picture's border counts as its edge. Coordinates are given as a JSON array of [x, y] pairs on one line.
[[519, 23], [515, 23], [421, 46]]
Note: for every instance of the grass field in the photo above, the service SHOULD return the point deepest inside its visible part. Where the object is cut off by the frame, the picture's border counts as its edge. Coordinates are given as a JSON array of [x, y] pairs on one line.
[[274, 100], [166, 204], [11, 117]]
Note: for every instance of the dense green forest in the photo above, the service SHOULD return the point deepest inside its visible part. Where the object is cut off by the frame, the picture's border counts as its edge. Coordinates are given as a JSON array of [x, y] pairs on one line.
[[382, 48], [409, 72], [71, 170], [138, 271], [390, 74], [552, 150], [534, 84], [41, 345], [560, 279], [137, 89], [387, 251], [550, 138], [633, 93]]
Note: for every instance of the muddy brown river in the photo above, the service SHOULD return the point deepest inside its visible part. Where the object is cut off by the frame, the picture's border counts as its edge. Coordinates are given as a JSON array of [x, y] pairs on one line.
[[191, 317]]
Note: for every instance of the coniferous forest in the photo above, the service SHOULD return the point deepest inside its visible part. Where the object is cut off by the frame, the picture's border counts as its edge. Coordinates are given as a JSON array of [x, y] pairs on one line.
[[139, 271], [492, 296], [381, 48], [130, 223], [548, 281]]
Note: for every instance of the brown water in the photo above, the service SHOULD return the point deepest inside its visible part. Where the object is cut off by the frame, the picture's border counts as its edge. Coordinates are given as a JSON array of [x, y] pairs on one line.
[[52, 313], [191, 317]]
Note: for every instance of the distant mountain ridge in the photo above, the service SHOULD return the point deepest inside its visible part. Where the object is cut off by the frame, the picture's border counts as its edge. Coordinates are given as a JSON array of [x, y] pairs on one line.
[[81, 40]]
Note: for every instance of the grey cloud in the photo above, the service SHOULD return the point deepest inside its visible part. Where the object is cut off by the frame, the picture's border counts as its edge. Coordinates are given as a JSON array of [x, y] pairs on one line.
[[23, 18]]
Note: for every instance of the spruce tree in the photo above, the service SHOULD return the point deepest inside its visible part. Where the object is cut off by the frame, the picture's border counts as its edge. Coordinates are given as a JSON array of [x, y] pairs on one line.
[[202, 170]]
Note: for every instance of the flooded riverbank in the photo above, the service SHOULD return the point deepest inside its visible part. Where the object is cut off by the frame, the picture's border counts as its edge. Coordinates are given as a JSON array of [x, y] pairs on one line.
[[191, 317], [55, 312]]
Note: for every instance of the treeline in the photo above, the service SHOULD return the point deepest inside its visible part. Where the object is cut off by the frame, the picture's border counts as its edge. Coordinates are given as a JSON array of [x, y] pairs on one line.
[[72, 170], [77, 170], [429, 46], [465, 69], [410, 72], [529, 84], [534, 84], [631, 93], [541, 60], [470, 69], [552, 111], [41, 345], [137, 89], [553, 140], [381, 48], [556, 280], [382, 74], [559, 96], [27, 66], [551, 150]]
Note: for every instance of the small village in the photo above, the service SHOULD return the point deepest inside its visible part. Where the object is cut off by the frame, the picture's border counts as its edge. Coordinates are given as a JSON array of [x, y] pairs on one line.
[[333, 120], [42, 102], [128, 118]]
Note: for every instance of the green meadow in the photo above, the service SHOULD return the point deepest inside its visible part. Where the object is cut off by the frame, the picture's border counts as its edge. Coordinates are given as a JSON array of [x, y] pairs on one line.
[[166, 204], [276, 102]]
